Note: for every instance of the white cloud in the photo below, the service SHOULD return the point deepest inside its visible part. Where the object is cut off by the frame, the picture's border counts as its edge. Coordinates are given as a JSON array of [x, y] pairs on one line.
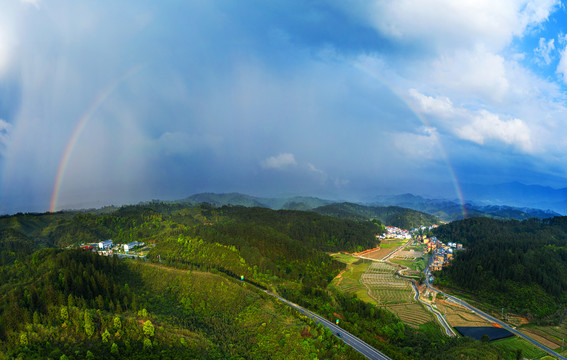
[[418, 146], [441, 106], [544, 51], [562, 66], [487, 126], [444, 24], [279, 162], [477, 126], [475, 72]]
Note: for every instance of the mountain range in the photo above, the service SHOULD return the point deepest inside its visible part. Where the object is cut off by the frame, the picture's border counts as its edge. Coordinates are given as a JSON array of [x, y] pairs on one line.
[[387, 208]]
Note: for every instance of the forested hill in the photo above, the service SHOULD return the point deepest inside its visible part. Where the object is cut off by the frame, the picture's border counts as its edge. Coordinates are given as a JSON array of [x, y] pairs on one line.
[[389, 215], [519, 265], [237, 199]]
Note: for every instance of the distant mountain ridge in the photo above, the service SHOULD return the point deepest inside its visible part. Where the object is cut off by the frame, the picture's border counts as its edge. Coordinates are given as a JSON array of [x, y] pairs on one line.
[[448, 210], [518, 195], [390, 215], [292, 203], [443, 209]]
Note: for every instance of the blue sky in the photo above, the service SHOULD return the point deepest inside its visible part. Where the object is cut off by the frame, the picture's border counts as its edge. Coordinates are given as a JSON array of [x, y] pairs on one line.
[[338, 99]]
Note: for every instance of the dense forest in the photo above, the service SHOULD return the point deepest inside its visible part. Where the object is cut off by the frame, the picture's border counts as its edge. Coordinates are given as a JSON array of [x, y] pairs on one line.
[[519, 265], [185, 299], [389, 215]]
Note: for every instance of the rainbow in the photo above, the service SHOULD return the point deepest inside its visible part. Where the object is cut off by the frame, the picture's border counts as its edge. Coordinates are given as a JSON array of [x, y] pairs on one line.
[[425, 122], [99, 100]]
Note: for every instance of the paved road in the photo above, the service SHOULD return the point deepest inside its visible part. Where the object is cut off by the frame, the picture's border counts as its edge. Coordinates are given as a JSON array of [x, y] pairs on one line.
[[345, 336], [494, 320], [440, 318]]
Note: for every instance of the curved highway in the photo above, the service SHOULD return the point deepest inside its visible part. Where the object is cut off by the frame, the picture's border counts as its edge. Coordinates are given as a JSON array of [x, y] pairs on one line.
[[356, 343], [492, 319]]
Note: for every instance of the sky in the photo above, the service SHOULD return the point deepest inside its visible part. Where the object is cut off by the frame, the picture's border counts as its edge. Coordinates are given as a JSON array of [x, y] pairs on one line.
[[115, 102]]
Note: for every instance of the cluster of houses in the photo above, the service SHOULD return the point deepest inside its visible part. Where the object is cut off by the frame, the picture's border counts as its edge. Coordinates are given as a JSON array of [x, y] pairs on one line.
[[395, 233], [107, 247], [442, 253]]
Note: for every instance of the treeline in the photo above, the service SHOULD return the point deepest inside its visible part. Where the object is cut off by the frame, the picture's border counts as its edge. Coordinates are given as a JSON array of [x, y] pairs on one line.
[[519, 265]]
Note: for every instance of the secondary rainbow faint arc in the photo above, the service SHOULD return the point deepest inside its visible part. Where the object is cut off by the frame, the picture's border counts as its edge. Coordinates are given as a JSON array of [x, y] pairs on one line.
[[99, 100], [425, 122]]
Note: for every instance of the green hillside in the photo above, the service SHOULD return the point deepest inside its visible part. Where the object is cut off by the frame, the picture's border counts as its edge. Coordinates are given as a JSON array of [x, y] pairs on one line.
[[389, 215], [185, 298], [519, 265]]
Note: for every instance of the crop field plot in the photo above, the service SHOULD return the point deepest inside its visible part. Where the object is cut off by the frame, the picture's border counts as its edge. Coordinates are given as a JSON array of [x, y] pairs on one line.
[[459, 316], [392, 243], [387, 296], [412, 314], [409, 254], [539, 334]]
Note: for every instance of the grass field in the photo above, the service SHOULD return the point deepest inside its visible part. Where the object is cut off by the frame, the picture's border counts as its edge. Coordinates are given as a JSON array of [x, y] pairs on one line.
[[345, 258]]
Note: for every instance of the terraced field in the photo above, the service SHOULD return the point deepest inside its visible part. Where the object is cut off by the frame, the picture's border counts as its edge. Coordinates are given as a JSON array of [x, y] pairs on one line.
[[412, 313], [378, 282], [458, 315], [394, 293]]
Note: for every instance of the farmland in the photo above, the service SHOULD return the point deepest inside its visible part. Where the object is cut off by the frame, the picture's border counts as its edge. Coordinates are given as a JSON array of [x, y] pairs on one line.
[[386, 247], [458, 315], [377, 282]]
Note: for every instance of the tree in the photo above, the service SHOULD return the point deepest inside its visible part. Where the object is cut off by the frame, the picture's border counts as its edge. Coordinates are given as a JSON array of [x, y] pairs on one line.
[[147, 343], [105, 336], [117, 322], [89, 326], [485, 338], [114, 349], [148, 329], [64, 313], [24, 339]]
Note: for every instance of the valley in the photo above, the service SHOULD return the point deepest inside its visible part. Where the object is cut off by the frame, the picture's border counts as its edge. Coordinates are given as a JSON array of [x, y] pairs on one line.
[[206, 273]]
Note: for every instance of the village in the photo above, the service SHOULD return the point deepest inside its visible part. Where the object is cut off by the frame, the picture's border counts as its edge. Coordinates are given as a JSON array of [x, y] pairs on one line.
[[108, 248], [441, 253]]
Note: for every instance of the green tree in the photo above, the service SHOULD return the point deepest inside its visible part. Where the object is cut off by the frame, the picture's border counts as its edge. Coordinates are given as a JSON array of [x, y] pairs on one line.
[[147, 343], [90, 355], [89, 326], [148, 329], [105, 336], [24, 339], [114, 349], [117, 322], [64, 313]]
